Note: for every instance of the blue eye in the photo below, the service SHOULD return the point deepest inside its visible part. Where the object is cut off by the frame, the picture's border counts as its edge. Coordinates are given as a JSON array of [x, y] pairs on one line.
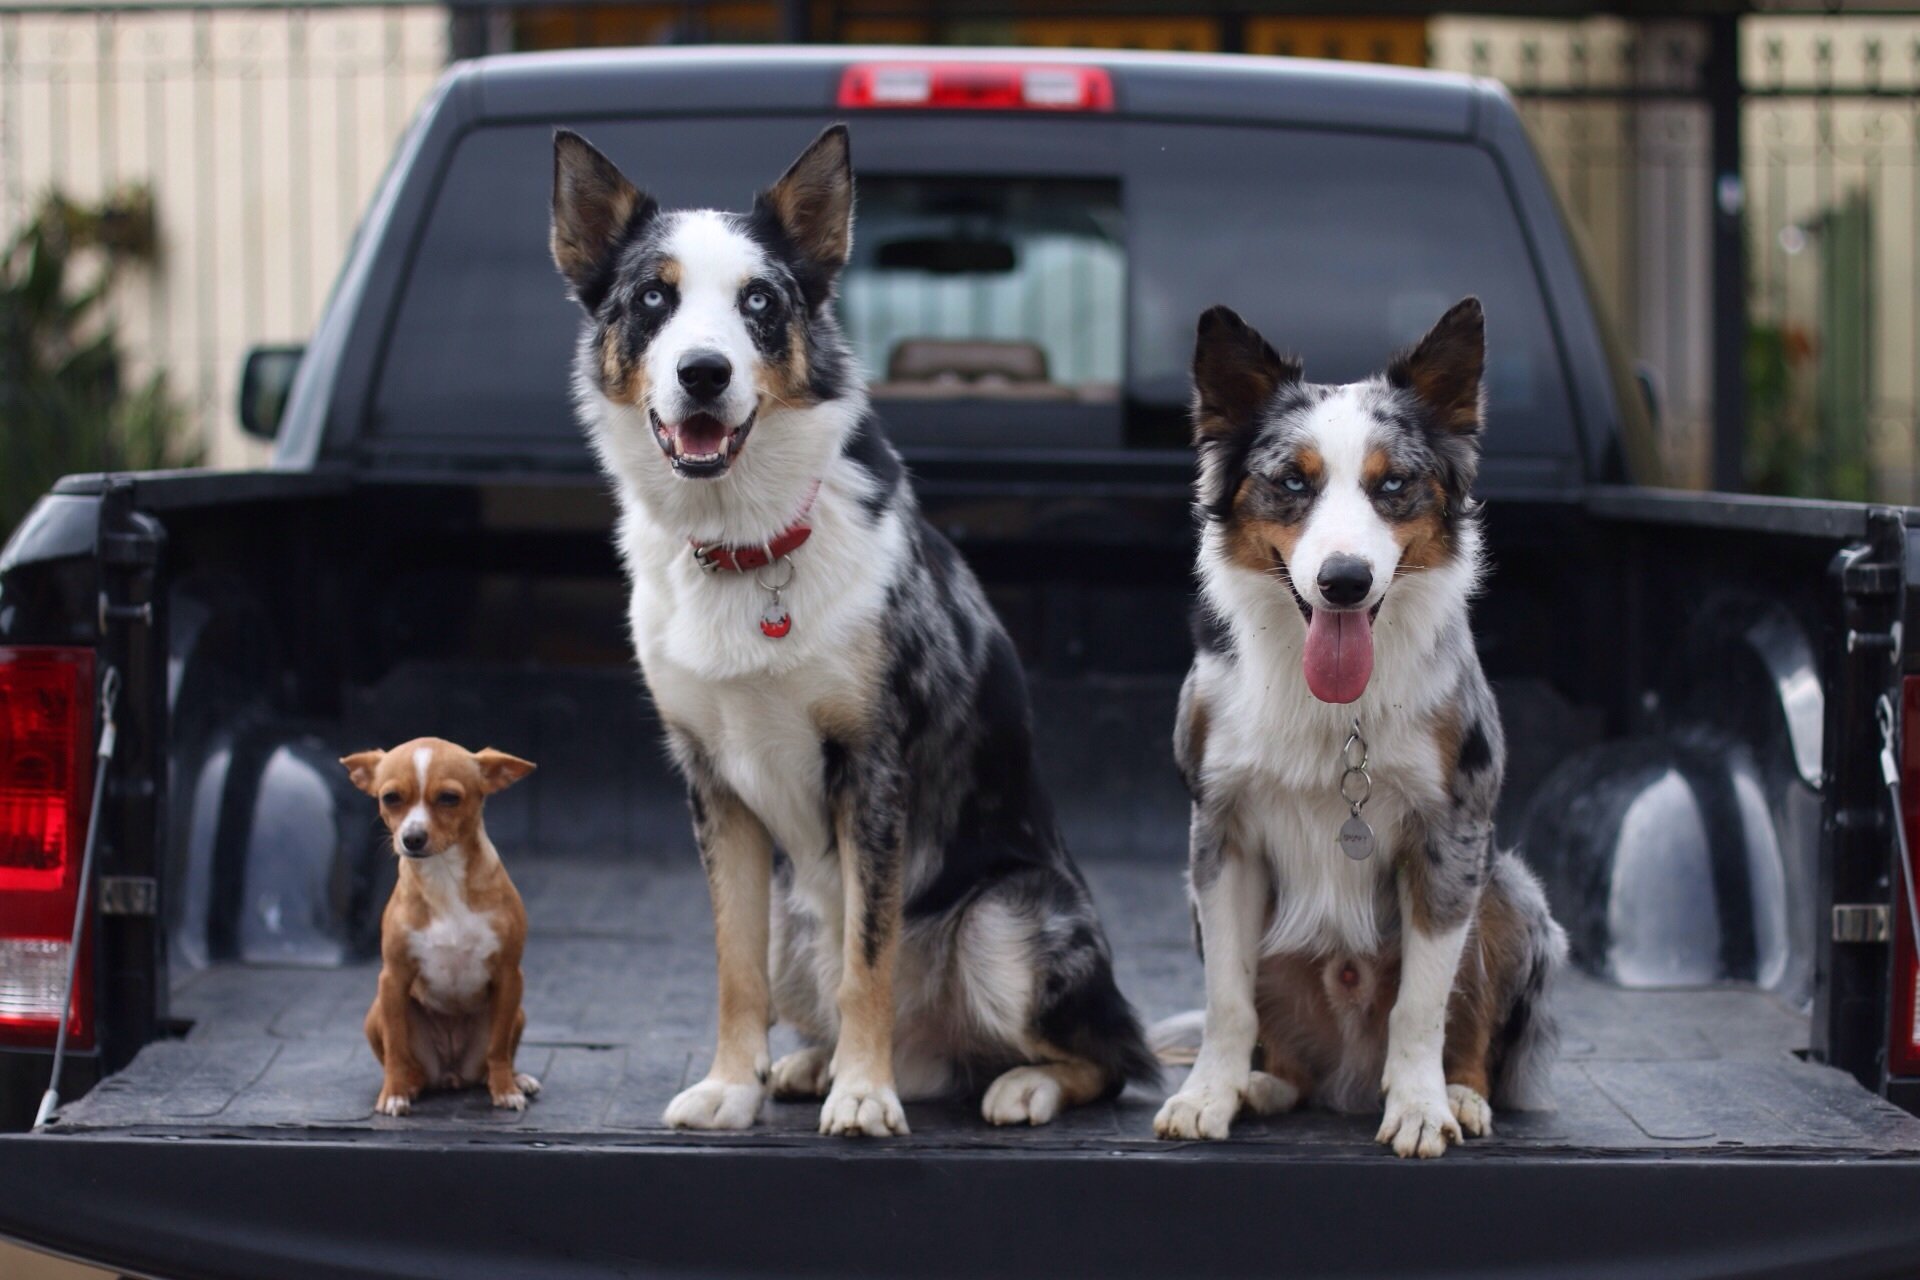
[[653, 298], [1293, 483], [1392, 484], [758, 301]]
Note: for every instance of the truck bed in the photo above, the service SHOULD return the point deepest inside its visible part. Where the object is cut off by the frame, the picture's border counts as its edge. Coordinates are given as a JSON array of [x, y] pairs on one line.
[[620, 992], [1687, 1121]]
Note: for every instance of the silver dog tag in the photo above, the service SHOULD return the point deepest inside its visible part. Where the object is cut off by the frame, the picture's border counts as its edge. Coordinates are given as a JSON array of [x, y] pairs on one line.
[[1356, 838]]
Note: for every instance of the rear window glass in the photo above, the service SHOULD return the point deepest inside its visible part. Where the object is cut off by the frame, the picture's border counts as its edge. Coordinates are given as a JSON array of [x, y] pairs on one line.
[[988, 288], [1032, 283]]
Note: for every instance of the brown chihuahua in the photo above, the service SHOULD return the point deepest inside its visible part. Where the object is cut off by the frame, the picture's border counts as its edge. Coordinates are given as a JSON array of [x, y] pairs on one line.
[[447, 1014]]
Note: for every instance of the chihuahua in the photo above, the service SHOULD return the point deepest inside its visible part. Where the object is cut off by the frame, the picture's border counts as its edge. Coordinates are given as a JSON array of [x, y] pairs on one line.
[[447, 1014]]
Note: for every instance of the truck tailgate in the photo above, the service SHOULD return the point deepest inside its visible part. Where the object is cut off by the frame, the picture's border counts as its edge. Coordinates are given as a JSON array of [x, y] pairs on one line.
[[1688, 1130]]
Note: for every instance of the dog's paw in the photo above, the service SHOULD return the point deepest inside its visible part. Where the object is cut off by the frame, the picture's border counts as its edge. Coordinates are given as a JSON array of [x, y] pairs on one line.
[[1419, 1122], [1024, 1095], [804, 1073], [1203, 1111], [854, 1109], [1269, 1095], [514, 1099], [716, 1104], [392, 1104], [1471, 1110], [527, 1084]]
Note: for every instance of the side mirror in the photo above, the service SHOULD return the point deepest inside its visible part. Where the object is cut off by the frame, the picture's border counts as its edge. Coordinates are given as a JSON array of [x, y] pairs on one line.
[[265, 380]]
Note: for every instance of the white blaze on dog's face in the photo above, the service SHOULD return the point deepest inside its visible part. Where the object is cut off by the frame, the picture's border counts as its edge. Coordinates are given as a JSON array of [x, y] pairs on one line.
[[431, 792], [1339, 492], [705, 323]]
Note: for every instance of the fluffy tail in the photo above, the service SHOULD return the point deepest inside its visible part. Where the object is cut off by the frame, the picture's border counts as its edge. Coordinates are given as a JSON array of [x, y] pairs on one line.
[[1092, 1020], [1175, 1041], [1530, 1038]]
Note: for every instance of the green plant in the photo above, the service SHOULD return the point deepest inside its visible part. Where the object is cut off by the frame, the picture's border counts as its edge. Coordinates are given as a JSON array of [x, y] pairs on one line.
[[64, 403]]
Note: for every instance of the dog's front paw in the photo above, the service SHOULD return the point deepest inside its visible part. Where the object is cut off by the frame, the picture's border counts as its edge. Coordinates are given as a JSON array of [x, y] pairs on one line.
[[855, 1109], [716, 1104], [1471, 1110], [804, 1073], [1419, 1121], [514, 1099], [1198, 1111], [1024, 1095], [528, 1085], [393, 1103]]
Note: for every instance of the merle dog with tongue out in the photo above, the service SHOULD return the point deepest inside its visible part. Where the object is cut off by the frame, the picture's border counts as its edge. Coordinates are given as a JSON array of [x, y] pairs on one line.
[[1344, 755]]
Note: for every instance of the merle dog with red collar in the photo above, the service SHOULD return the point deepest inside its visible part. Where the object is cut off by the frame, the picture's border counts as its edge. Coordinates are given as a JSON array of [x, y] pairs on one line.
[[833, 681]]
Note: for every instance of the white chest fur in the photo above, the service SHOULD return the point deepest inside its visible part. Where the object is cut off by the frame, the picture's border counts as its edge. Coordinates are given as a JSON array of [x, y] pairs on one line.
[[1274, 759], [455, 950]]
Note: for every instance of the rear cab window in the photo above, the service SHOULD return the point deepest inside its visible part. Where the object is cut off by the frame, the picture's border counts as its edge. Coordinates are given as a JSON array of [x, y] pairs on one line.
[[1016, 284]]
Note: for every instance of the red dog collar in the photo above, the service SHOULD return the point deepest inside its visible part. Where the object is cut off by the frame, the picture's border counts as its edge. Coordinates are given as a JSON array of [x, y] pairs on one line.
[[717, 557]]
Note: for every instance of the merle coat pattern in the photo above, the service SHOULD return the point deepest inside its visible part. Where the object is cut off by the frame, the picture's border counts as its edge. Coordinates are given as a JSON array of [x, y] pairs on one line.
[[922, 924], [1339, 551]]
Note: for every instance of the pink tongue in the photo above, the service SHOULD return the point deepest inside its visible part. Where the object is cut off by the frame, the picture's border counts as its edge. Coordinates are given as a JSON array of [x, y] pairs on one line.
[[1339, 657]]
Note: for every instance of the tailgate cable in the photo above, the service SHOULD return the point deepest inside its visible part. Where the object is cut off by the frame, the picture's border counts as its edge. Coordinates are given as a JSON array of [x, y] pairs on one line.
[[1890, 770], [109, 694]]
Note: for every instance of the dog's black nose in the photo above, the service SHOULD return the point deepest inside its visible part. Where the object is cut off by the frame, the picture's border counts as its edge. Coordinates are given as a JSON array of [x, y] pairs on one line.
[[705, 374], [413, 841], [1344, 580]]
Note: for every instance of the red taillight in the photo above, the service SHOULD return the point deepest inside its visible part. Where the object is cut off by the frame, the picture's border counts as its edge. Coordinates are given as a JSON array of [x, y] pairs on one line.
[[979, 86], [46, 742], [1903, 1050]]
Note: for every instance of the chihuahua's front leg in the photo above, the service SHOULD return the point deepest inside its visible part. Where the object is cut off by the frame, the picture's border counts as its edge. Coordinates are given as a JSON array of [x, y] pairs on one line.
[[737, 853], [1230, 888], [509, 1089], [402, 1078], [868, 795]]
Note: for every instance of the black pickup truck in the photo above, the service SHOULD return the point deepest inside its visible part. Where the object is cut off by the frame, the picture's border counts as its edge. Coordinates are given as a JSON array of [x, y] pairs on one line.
[[1699, 691]]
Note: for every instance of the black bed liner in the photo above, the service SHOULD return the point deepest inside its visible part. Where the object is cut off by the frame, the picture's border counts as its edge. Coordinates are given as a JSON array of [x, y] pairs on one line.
[[263, 1112]]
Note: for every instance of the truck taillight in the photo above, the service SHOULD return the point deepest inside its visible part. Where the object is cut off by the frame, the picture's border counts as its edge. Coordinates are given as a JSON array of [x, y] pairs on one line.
[[978, 86], [1903, 1049], [46, 747]]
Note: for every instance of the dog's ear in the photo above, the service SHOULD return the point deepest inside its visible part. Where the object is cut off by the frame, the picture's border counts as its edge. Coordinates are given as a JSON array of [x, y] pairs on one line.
[[813, 205], [1235, 373], [361, 766], [498, 770], [1445, 369], [595, 210]]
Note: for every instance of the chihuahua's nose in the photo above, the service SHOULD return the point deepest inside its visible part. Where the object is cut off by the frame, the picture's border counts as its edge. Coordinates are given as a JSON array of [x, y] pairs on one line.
[[1344, 580], [705, 374], [413, 841]]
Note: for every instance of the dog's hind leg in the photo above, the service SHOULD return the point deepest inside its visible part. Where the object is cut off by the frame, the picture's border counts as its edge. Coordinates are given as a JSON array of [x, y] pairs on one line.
[[1037, 1093], [806, 1072], [738, 856]]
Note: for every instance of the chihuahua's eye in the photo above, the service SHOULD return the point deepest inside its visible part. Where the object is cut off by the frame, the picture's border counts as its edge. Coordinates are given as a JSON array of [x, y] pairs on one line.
[[653, 299], [758, 301], [447, 799], [391, 799], [1393, 484], [1293, 482]]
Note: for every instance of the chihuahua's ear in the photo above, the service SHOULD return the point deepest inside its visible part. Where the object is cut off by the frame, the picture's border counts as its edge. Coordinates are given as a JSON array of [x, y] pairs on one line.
[[361, 766], [498, 770]]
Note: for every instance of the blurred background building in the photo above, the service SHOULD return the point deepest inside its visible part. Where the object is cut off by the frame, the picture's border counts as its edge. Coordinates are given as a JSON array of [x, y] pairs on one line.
[[244, 139]]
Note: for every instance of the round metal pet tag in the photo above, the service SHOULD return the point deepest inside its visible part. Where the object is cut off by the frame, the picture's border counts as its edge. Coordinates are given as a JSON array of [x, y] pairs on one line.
[[1356, 838]]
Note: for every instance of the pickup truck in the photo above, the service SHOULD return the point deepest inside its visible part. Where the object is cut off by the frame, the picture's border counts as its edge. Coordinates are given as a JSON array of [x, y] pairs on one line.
[[1699, 690]]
